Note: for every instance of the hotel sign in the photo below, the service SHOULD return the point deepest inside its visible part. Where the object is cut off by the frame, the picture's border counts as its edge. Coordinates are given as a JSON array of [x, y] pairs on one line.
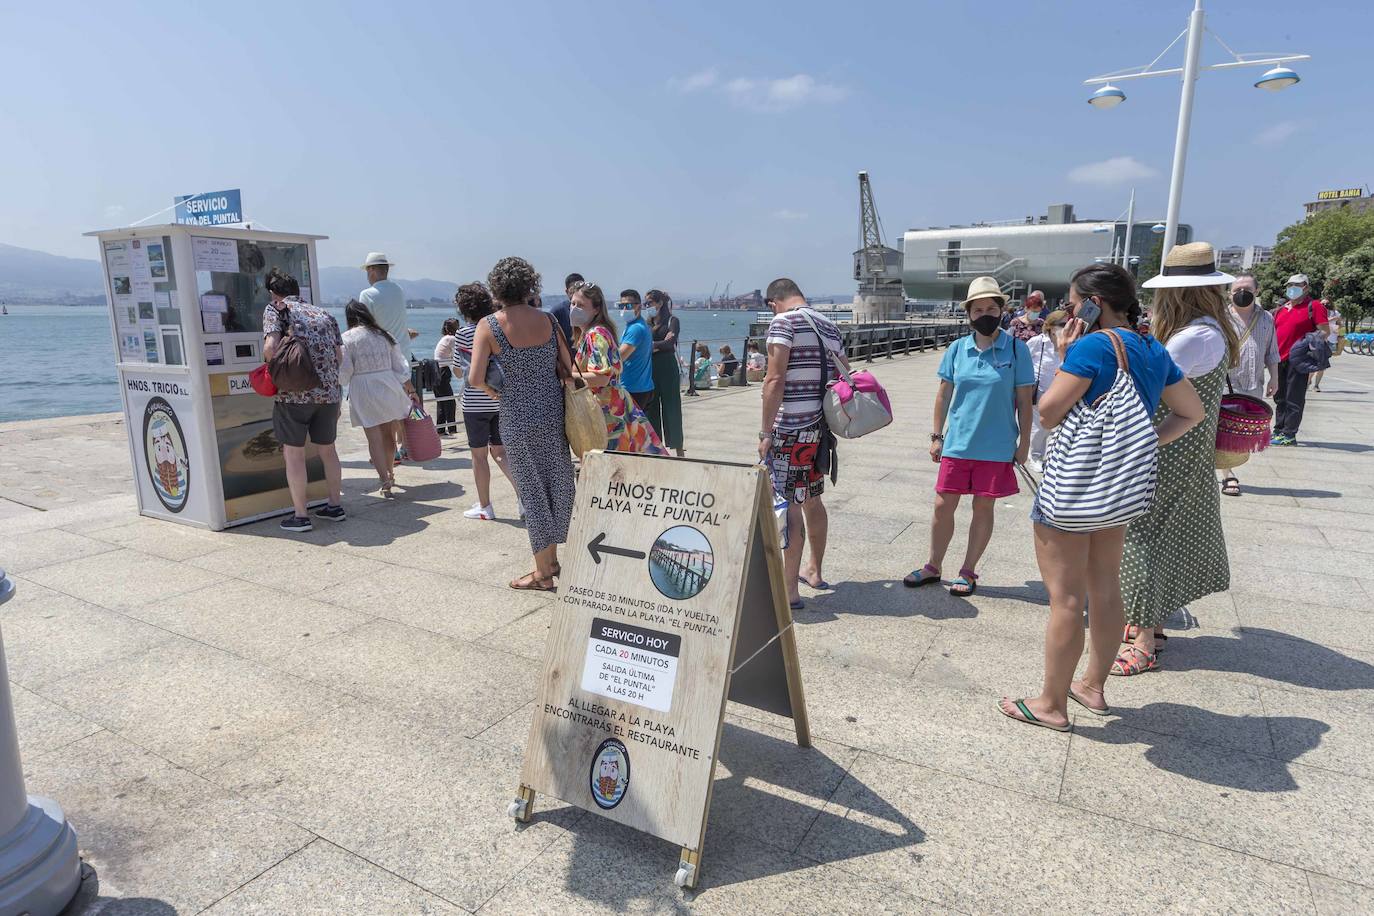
[[1344, 194]]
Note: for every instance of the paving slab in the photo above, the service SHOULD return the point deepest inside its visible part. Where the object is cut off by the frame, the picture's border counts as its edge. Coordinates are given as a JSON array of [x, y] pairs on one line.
[[30, 550], [122, 579], [156, 537], [1280, 811], [324, 880], [1333, 897], [43, 726], [961, 842], [156, 833], [423, 802], [193, 704]]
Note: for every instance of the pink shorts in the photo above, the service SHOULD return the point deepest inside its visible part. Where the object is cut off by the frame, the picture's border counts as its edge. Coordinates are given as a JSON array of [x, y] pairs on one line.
[[995, 479]]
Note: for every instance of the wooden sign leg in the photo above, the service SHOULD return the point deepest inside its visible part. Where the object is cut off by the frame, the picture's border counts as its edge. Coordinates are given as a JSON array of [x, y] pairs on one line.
[[777, 576], [522, 807], [688, 868]]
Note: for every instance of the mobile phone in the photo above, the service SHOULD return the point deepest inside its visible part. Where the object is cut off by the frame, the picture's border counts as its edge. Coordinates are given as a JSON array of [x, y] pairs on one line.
[[1088, 312]]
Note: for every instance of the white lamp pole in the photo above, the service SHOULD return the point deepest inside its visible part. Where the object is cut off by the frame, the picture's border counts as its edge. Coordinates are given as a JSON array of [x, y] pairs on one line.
[[1185, 121], [1130, 221], [1109, 96]]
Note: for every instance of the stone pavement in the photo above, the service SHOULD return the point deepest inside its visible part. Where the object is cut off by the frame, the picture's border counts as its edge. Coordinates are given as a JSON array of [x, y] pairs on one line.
[[244, 722]]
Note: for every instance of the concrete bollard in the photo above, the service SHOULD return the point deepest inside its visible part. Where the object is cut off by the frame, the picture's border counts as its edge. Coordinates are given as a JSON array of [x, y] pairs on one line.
[[40, 871]]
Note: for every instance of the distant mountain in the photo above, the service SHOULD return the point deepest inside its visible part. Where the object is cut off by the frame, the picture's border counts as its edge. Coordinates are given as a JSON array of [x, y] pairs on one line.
[[25, 273], [339, 284]]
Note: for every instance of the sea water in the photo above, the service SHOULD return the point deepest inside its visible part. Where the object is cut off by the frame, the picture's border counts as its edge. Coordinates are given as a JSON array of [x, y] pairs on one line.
[[58, 360]]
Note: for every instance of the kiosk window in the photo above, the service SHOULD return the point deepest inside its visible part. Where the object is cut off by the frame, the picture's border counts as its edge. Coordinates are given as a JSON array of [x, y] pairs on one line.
[[236, 269]]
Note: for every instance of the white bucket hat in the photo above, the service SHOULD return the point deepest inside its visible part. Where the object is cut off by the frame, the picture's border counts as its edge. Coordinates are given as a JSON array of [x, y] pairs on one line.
[[1194, 264], [376, 259], [985, 288]]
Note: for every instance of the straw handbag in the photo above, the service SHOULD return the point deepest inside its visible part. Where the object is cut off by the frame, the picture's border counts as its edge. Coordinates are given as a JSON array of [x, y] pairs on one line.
[[583, 422]]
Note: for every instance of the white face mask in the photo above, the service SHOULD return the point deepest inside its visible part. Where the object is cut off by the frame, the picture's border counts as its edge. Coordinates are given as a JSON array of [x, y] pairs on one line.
[[579, 317]]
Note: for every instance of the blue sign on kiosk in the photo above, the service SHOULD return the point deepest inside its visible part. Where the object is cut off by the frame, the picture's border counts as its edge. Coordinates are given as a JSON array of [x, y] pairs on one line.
[[215, 208]]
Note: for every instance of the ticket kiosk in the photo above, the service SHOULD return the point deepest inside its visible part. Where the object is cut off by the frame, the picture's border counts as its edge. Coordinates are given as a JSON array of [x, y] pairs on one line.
[[186, 306]]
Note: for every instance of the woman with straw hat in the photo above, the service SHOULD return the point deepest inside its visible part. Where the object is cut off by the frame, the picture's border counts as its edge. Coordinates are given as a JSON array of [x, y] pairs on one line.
[[1176, 553]]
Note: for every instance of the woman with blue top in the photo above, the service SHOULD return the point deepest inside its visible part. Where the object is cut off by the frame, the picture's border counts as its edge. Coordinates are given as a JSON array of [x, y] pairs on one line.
[[982, 424], [1079, 566]]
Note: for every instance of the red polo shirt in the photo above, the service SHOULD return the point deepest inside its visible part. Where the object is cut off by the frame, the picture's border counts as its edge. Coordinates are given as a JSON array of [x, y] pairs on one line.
[[1291, 323]]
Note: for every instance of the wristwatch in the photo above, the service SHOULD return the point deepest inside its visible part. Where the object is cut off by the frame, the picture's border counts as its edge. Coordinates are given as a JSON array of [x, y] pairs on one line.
[[937, 437]]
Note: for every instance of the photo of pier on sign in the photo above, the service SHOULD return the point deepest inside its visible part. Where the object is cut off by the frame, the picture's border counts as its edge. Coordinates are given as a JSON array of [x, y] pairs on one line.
[[681, 562]]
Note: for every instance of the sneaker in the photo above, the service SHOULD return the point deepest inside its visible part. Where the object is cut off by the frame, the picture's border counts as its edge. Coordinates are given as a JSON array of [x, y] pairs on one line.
[[1280, 439], [333, 513], [485, 513], [296, 523]]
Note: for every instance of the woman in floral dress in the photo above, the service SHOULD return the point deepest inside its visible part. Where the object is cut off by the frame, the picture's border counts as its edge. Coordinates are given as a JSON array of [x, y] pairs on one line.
[[597, 360]]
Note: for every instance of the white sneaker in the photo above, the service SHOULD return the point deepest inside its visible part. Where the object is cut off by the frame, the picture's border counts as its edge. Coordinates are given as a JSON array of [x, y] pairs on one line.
[[480, 511]]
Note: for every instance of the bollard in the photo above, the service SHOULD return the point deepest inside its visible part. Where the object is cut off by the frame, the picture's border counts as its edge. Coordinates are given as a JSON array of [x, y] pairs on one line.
[[40, 871]]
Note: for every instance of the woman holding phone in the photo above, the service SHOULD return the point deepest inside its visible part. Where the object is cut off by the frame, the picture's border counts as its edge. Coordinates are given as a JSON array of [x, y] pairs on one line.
[[1079, 566]]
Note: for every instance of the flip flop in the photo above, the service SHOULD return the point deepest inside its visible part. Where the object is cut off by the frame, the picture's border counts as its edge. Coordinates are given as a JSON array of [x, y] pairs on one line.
[[1028, 717], [823, 587], [1073, 695], [923, 576], [796, 605]]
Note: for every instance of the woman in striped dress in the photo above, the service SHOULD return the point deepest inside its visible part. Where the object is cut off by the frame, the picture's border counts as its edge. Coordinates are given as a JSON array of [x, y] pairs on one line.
[[1176, 553], [481, 412]]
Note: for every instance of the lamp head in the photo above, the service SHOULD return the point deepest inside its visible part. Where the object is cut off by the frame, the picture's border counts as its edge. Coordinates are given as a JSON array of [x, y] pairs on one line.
[[1158, 228], [1276, 79], [1107, 96]]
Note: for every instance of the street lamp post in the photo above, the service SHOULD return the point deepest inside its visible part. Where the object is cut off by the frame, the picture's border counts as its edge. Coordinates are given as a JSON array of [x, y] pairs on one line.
[[1109, 96]]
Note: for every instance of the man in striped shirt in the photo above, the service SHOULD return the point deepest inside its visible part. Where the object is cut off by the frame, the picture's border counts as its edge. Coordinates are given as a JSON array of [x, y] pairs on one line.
[[803, 348]]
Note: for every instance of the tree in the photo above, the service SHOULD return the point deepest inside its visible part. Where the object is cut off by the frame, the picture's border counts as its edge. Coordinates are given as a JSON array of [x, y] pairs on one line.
[[1314, 246], [1350, 285], [1149, 267]]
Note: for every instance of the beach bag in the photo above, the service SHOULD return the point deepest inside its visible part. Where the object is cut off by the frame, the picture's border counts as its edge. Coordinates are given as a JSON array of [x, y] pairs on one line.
[[583, 422], [1102, 464], [420, 437], [854, 404], [1244, 426], [291, 365], [261, 380]]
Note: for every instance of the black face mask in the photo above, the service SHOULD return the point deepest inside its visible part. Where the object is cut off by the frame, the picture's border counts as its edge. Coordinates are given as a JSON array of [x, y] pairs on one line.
[[986, 325], [1243, 298]]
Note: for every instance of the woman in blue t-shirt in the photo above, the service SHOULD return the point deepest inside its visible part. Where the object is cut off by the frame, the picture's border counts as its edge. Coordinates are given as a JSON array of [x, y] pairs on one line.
[[1087, 565]]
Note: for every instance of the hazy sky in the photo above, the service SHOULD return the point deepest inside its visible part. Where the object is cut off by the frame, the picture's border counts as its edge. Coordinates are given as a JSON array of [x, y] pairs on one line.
[[657, 144]]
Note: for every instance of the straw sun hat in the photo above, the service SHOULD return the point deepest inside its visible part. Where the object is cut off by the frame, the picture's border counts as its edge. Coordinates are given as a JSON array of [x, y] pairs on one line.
[[1194, 264], [985, 288]]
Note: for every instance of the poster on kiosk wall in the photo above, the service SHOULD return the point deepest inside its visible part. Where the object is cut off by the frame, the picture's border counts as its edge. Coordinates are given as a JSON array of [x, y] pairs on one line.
[[167, 465]]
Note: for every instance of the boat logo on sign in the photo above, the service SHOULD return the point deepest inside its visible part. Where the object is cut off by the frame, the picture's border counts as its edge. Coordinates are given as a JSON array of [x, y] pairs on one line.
[[610, 774], [164, 449]]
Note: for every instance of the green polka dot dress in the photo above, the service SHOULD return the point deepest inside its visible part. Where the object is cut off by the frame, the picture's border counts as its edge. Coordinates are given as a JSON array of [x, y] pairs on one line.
[[1176, 552]]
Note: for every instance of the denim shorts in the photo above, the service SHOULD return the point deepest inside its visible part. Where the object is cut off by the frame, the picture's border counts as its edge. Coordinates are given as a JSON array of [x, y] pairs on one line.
[[1038, 517]]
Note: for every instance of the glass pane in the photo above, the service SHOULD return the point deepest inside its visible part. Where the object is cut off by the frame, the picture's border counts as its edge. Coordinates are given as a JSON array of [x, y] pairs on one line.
[[243, 289]]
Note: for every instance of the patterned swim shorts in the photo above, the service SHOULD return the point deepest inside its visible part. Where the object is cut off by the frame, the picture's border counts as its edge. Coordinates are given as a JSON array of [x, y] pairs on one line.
[[792, 462]]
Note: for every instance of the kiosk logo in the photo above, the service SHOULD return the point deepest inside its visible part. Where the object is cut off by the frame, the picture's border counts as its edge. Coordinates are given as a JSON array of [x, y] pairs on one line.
[[610, 775], [164, 451]]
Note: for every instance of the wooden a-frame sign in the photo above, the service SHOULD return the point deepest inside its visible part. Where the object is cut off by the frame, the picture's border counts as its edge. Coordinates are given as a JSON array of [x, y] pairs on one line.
[[671, 600]]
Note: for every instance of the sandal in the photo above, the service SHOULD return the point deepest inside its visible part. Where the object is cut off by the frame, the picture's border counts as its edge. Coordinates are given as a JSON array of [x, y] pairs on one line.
[[1130, 667], [1230, 486], [824, 586], [1028, 717], [1132, 631], [923, 576], [965, 585], [1097, 711], [531, 582]]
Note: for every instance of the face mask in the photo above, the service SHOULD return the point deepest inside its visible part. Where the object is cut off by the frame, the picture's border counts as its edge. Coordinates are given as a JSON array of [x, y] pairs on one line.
[[986, 325], [1243, 298], [1294, 292], [579, 316]]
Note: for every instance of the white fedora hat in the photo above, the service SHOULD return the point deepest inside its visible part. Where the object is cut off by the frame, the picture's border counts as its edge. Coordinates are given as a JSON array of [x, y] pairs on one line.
[[376, 259], [1194, 264], [984, 288]]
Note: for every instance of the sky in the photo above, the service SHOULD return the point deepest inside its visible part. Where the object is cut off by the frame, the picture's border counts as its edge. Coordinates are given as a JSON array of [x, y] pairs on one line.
[[682, 146]]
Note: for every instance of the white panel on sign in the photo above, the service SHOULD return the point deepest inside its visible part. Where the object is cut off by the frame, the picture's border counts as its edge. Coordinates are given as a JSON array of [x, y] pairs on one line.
[[215, 255]]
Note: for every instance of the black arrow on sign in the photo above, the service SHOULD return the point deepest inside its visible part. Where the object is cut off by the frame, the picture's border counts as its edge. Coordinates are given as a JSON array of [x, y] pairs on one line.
[[596, 548]]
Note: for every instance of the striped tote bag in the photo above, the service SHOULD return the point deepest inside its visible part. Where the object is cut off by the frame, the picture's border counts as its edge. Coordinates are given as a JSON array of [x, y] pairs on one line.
[[1102, 464]]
